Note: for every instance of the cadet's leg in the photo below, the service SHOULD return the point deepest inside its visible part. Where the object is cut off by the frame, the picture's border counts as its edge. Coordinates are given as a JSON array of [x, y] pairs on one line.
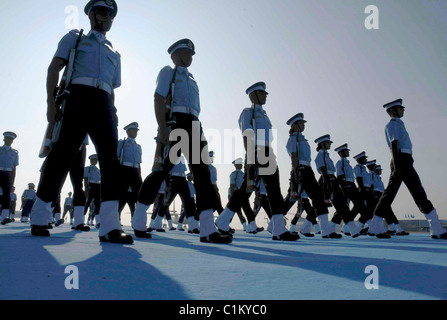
[[388, 196], [58, 161]]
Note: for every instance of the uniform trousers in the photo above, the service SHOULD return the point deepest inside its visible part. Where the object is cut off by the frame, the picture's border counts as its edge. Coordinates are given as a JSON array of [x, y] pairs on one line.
[[219, 207], [27, 206], [339, 202], [177, 186], [310, 185], [131, 177], [94, 194], [410, 177], [191, 130], [5, 184], [264, 203], [307, 207], [89, 111], [352, 193], [271, 182]]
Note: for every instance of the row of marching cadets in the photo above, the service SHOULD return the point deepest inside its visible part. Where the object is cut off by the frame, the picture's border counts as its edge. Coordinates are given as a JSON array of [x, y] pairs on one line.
[[95, 74]]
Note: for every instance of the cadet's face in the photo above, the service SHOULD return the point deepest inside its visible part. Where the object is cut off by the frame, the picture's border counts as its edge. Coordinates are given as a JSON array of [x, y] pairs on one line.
[[238, 166], [8, 141], [101, 19], [182, 58], [258, 97], [132, 133], [301, 125], [93, 161]]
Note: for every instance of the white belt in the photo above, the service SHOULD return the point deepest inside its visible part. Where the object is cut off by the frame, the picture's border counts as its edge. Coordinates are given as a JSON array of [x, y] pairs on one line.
[[178, 174], [130, 164], [29, 198], [186, 110], [406, 151], [305, 163], [349, 179], [95, 182], [92, 82], [6, 169]]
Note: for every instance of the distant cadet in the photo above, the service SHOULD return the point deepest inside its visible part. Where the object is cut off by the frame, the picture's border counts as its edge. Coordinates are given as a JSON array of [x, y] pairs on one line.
[[130, 156], [328, 182], [92, 185], [346, 180], [12, 207], [68, 207], [213, 174], [303, 175], [177, 109], [402, 170], [364, 184], [256, 129], [89, 109], [28, 200], [9, 160], [236, 180]]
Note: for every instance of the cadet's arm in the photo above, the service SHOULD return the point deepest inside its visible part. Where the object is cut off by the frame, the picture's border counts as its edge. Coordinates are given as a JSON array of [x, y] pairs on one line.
[[160, 114], [57, 64], [395, 155]]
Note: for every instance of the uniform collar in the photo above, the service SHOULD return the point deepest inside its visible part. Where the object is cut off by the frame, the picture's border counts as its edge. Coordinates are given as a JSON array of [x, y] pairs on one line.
[[7, 147], [397, 119], [98, 36], [182, 70]]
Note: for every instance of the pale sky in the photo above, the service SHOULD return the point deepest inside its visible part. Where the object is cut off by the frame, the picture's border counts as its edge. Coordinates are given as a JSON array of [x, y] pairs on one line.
[[316, 57]]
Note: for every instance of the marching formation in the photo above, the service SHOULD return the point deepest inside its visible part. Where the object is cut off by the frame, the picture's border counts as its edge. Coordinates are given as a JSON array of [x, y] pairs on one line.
[[92, 73]]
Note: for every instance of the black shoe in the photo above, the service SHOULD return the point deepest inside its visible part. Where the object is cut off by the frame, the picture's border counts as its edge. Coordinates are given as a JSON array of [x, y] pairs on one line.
[[382, 236], [391, 233], [232, 231], [226, 233], [180, 229], [308, 235], [82, 227], [216, 238], [59, 222], [333, 235], [160, 230], [195, 231], [260, 229], [6, 221], [347, 233], [40, 231], [142, 234], [441, 237], [402, 233], [286, 236], [117, 236], [172, 229], [50, 226]]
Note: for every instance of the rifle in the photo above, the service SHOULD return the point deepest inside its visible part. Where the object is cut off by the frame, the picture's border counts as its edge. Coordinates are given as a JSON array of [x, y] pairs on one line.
[[60, 95], [252, 172], [162, 151]]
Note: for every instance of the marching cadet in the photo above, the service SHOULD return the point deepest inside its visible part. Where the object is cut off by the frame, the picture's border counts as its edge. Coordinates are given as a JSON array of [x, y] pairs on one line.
[[28, 200], [346, 180], [311, 217], [256, 129], [12, 207], [68, 208], [213, 174], [177, 108], [394, 227], [325, 166], [402, 170], [236, 179], [363, 179], [97, 73], [299, 151], [92, 185], [130, 156], [9, 160]]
